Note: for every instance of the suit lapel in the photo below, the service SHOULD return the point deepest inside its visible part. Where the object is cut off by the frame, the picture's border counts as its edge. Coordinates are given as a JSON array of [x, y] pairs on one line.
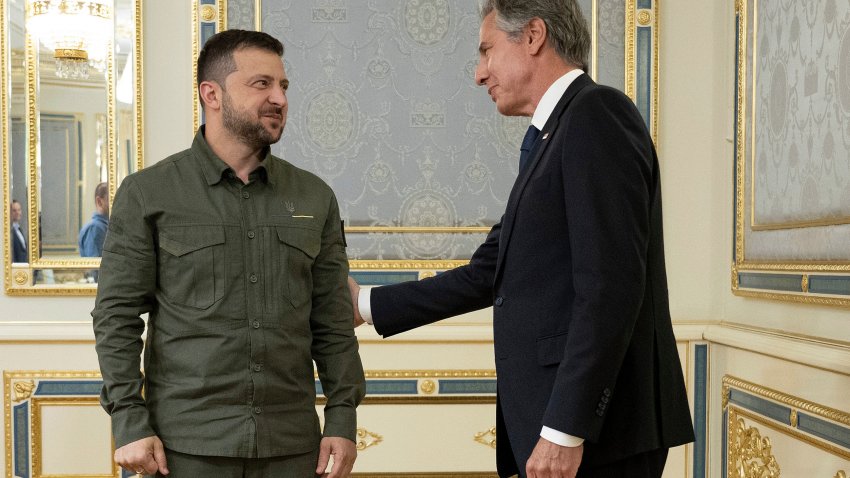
[[537, 151]]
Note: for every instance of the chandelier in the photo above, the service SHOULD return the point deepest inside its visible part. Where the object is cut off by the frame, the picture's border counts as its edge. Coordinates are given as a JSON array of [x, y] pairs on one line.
[[78, 31]]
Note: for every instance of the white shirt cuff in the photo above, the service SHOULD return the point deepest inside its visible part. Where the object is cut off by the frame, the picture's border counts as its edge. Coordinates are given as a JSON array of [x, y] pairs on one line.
[[364, 304], [559, 438]]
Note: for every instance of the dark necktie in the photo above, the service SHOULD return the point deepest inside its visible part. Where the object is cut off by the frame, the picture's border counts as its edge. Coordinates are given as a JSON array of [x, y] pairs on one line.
[[527, 145]]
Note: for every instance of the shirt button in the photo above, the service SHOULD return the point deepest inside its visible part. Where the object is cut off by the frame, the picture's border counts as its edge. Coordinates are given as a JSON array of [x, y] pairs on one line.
[[256, 324], [258, 367], [245, 194], [499, 301], [253, 278], [250, 234], [258, 410]]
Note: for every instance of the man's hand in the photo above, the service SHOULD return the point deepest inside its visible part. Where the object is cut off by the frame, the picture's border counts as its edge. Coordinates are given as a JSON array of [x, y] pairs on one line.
[[355, 294], [344, 452], [551, 460], [144, 457]]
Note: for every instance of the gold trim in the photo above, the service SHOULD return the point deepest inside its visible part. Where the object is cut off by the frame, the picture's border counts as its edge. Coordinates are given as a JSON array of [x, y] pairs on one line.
[[594, 40], [35, 417], [840, 474], [793, 419], [222, 15], [792, 432], [416, 230], [5, 159], [630, 50], [21, 278], [423, 400], [208, 13], [804, 283], [644, 17], [366, 439], [800, 404], [23, 390], [405, 264], [430, 374], [258, 15], [427, 386], [484, 437], [749, 455], [196, 50]]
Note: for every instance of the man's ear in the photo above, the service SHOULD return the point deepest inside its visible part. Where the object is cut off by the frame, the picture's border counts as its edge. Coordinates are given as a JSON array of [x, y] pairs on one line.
[[534, 35], [210, 93]]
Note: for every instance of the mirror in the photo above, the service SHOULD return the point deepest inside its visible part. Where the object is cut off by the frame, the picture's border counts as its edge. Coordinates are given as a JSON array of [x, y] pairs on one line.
[[72, 116]]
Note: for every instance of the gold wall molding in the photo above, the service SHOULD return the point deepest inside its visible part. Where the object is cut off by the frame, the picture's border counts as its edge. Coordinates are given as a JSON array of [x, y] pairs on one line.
[[23, 390], [366, 439], [840, 474], [798, 403], [487, 437], [427, 386], [750, 455]]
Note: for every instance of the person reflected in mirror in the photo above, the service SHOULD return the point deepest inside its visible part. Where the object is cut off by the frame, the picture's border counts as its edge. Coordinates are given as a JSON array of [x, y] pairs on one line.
[[239, 260], [17, 236], [93, 233]]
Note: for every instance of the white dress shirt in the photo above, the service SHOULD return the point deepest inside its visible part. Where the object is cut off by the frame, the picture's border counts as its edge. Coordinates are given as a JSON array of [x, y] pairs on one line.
[[541, 116]]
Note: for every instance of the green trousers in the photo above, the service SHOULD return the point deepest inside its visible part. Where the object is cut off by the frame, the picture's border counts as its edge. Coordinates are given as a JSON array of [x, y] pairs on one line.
[[182, 465]]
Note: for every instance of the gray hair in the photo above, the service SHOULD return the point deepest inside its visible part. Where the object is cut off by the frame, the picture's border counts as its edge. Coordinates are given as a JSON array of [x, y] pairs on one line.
[[566, 28]]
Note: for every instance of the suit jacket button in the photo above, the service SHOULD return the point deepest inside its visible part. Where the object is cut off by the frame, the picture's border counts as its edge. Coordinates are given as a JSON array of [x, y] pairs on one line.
[[499, 301]]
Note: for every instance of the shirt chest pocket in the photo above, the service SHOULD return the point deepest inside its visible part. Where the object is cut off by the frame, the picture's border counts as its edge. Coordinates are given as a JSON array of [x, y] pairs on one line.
[[294, 250], [191, 265]]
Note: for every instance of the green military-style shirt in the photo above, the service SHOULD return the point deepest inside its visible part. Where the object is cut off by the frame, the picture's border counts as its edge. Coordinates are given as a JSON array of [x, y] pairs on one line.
[[245, 286]]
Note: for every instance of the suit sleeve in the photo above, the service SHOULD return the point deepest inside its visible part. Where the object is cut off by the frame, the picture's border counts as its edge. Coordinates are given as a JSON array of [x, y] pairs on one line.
[[126, 286], [608, 183], [335, 348], [401, 307]]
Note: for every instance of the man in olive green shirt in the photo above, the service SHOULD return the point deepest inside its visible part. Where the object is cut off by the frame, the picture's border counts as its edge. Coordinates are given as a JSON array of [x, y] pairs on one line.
[[238, 258]]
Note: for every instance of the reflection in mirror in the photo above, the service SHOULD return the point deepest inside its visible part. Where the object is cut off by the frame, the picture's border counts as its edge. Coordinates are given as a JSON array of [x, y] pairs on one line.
[[74, 129]]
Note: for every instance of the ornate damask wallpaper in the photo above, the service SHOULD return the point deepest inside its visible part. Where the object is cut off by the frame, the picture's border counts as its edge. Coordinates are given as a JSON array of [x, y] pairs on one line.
[[801, 113], [792, 205], [384, 107]]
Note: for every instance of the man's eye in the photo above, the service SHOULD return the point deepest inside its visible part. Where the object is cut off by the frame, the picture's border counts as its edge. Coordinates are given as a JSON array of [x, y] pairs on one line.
[[262, 83]]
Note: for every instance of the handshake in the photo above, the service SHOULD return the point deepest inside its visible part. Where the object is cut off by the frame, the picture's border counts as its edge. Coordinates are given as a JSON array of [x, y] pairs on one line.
[[354, 289]]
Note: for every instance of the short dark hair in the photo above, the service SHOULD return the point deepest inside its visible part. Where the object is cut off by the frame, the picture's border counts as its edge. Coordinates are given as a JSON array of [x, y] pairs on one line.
[[101, 190], [215, 61], [566, 28]]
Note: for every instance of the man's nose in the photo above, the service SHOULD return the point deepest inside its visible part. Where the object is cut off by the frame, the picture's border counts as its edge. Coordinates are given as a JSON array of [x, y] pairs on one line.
[[278, 96], [481, 73]]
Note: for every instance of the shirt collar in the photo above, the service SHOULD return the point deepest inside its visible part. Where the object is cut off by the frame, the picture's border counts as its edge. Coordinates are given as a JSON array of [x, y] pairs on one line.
[[551, 97], [215, 169]]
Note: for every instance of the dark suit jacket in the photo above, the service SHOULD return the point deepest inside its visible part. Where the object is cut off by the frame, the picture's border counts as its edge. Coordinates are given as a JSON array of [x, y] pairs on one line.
[[576, 277], [19, 249]]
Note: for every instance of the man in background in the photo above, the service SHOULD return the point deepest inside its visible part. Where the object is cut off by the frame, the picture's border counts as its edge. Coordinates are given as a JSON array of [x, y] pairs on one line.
[[17, 236], [93, 233], [589, 378], [238, 258]]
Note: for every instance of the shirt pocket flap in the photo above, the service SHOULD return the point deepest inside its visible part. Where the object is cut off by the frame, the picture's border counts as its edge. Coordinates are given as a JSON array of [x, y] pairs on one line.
[[550, 350], [305, 240], [179, 241]]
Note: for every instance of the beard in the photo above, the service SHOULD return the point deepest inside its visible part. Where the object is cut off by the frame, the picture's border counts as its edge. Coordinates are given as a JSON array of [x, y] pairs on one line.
[[249, 130]]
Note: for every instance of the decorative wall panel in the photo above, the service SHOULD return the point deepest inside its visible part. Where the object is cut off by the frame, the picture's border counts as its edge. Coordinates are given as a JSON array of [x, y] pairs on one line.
[[792, 191], [766, 431], [383, 107]]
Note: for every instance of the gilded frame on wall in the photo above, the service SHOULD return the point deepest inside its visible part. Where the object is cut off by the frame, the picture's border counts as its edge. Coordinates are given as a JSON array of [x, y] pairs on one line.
[[19, 277], [639, 80], [753, 414], [789, 244]]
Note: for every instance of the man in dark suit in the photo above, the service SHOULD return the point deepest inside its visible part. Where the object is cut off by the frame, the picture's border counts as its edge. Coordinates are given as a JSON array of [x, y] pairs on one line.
[[16, 236], [589, 378]]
